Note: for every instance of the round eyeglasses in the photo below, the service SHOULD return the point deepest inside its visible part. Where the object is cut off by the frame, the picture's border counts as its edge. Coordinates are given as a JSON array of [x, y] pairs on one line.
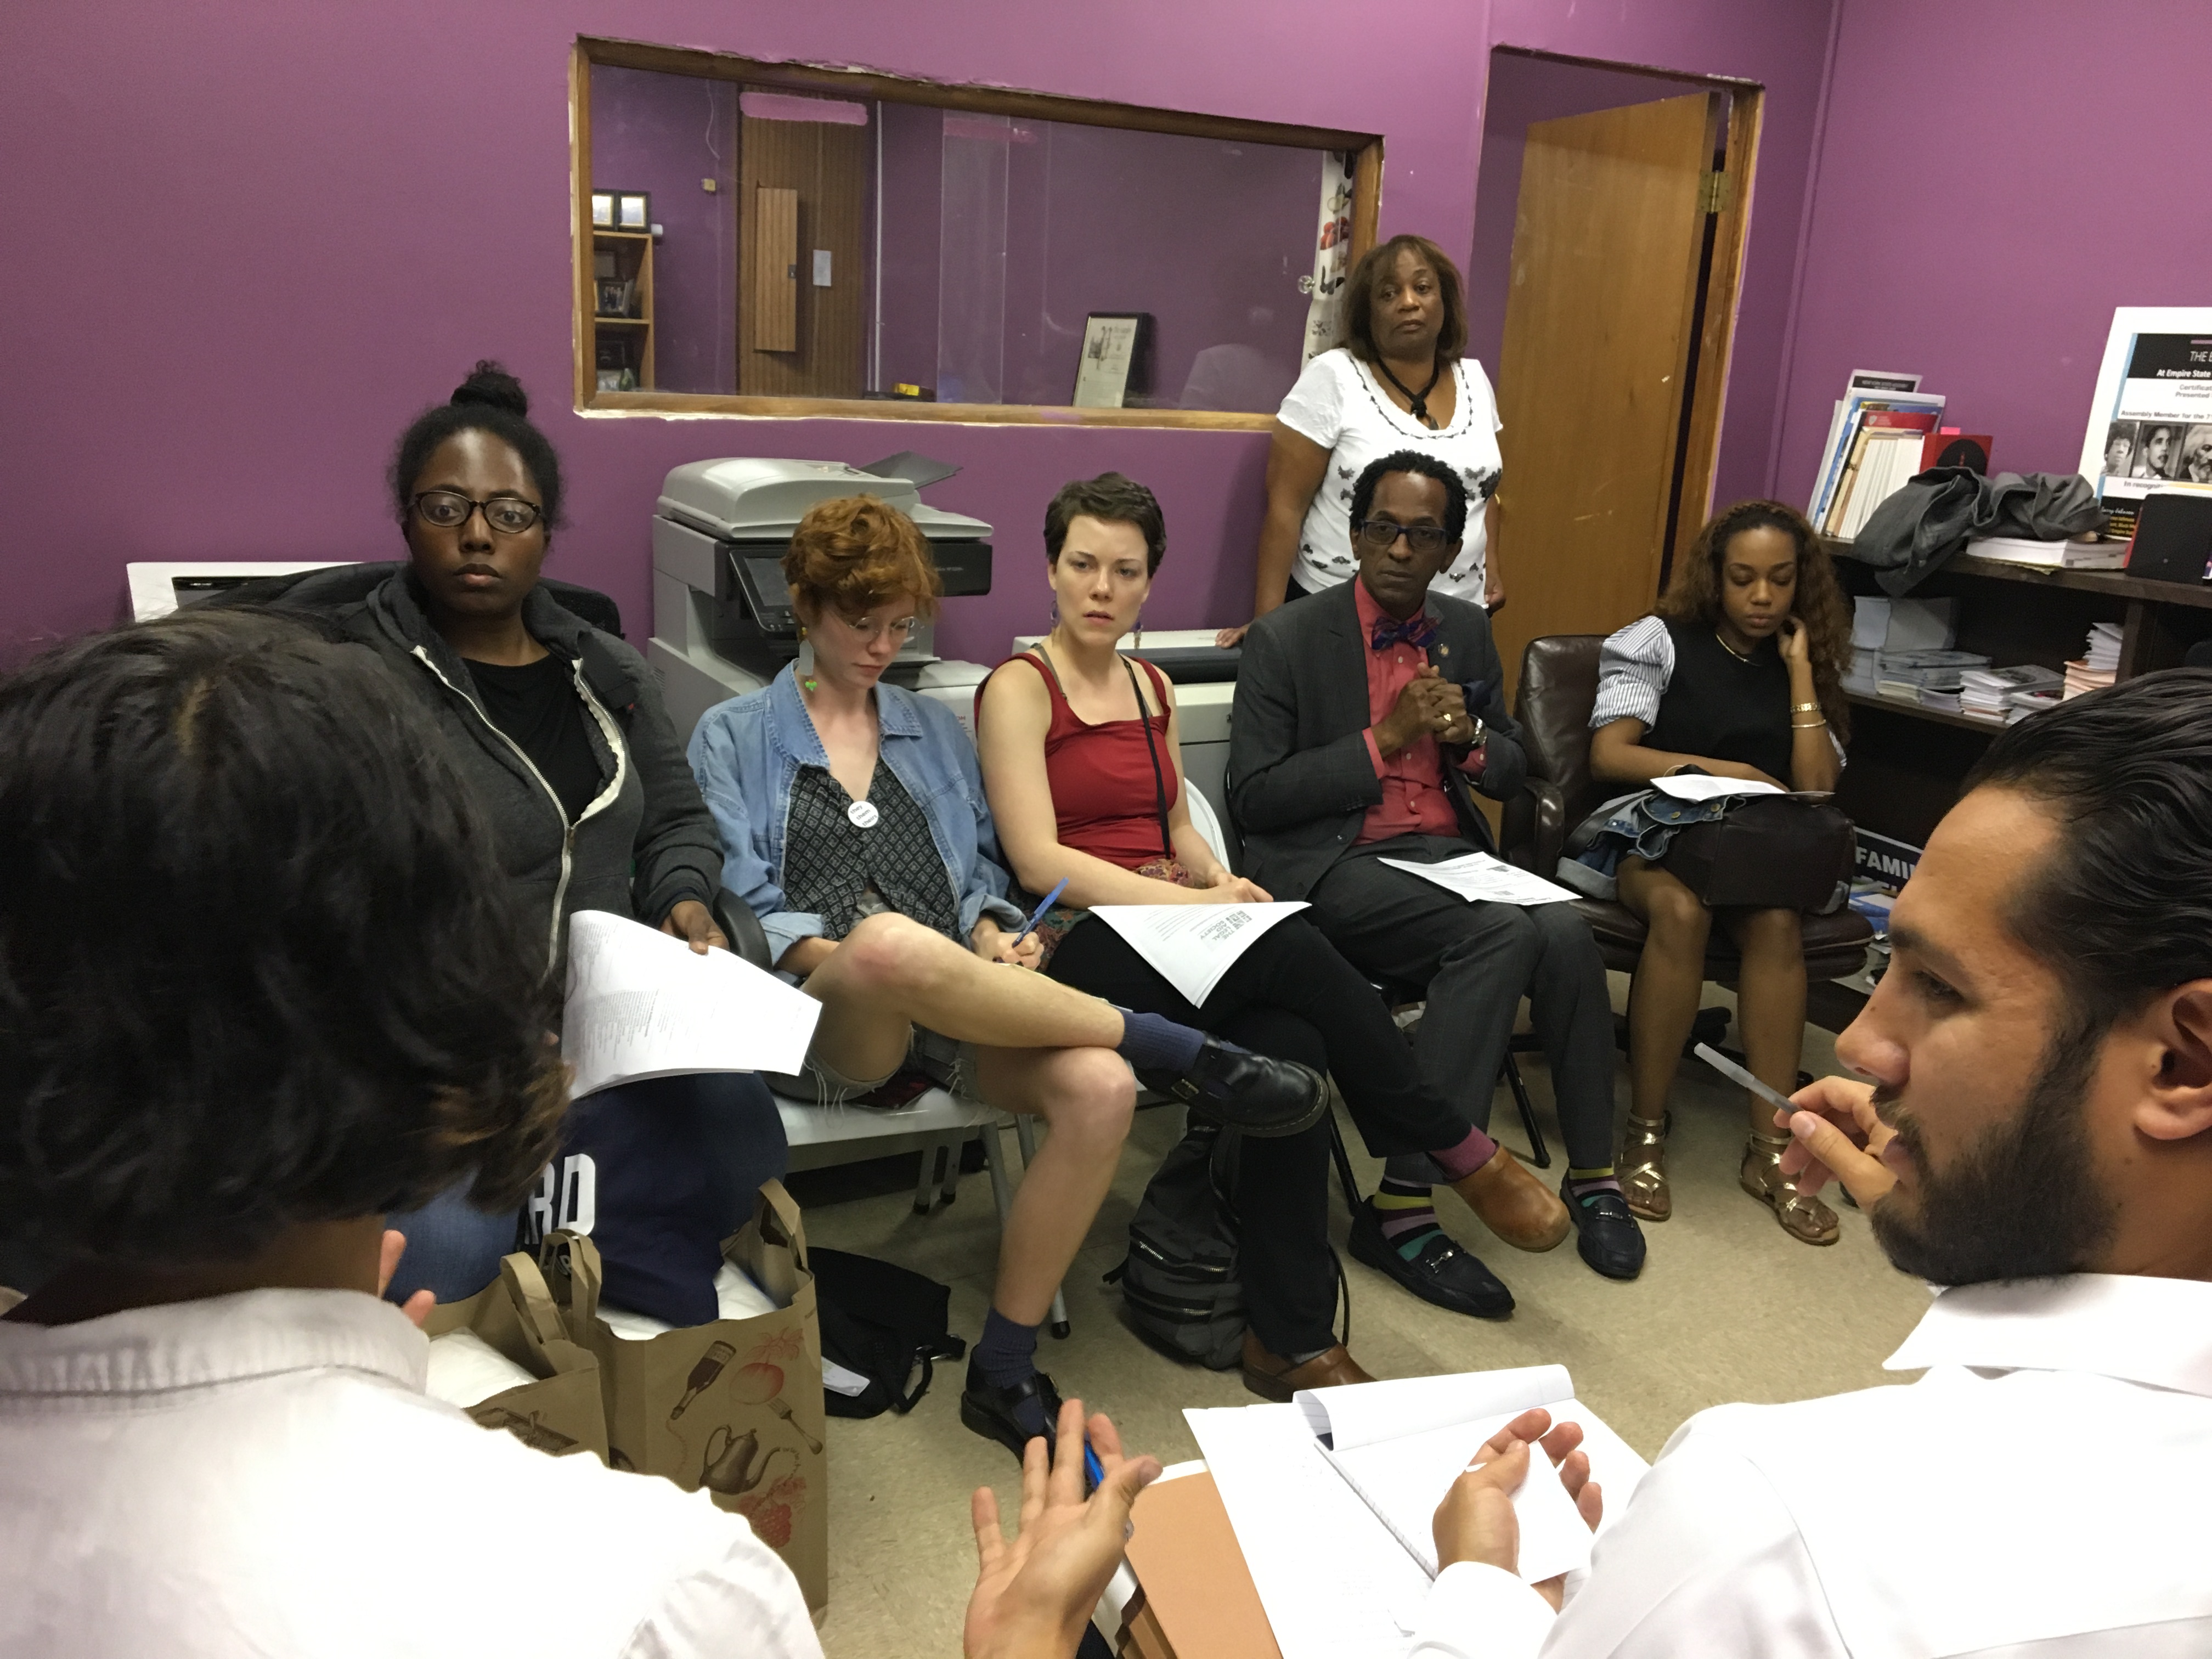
[[868, 633], [1379, 534], [448, 509]]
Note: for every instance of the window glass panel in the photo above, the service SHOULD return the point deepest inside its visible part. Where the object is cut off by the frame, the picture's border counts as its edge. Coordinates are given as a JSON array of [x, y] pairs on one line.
[[818, 246]]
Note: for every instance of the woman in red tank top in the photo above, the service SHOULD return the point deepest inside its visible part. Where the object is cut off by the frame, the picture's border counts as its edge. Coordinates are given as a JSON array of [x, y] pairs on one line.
[[1085, 773]]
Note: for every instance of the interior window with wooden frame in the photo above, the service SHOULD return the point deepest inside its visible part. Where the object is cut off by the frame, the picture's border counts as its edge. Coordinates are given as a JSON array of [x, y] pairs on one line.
[[770, 239]]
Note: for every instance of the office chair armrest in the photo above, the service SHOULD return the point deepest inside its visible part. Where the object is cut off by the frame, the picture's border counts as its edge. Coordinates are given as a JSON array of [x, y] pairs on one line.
[[741, 928], [1535, 827]]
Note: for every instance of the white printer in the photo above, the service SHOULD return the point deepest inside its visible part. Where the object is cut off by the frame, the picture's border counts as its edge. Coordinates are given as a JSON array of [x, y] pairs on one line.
[[722, 622]]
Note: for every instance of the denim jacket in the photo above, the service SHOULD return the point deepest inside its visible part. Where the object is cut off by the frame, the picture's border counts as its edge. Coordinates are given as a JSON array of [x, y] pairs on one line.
[[747, 751]]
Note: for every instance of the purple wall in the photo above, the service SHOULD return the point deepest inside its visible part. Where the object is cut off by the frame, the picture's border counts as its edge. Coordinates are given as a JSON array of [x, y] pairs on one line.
[[392, 211], [1524, 90], [662, 133], [1978, 225]]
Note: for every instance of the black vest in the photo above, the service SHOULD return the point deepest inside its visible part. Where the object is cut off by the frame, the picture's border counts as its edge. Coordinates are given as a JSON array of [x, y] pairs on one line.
[[1719, 706]]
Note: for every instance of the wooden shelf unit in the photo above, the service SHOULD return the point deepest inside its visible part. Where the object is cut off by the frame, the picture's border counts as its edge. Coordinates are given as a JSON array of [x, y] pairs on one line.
[[625, 342], [1907, 761]]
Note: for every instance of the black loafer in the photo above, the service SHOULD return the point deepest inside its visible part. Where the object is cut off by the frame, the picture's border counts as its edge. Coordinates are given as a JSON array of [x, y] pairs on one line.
[[1256, 1094], [990, 1410], [1440, 1272], [1610, 1240]]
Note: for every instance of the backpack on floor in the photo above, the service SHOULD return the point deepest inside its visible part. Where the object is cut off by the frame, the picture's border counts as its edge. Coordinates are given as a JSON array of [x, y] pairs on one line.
[[1181, 1290], [878, 1321]]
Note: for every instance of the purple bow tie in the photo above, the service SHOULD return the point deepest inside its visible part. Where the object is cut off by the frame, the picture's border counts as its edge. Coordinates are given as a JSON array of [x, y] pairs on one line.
[[1416, 631]]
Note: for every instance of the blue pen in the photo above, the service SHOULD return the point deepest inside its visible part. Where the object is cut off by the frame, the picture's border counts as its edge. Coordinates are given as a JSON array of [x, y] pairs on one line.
[[1037, 914], [1094, 1472]]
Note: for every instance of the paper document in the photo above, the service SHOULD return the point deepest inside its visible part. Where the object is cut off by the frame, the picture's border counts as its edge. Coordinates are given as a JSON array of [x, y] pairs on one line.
[[1697, 786], [1479, 876], [643, 1004], [1337, 1536], [1401, 1445], [1192, 946]]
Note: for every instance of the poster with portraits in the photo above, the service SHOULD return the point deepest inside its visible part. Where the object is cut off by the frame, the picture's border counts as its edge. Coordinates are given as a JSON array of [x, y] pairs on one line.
[[2150, 427]]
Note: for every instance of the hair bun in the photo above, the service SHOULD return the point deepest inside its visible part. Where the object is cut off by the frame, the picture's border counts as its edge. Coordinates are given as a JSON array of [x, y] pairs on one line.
[[493, 387]]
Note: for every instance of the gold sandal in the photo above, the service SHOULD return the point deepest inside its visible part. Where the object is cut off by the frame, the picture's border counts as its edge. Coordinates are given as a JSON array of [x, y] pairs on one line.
[[1642, 1167], [1803, 1216]]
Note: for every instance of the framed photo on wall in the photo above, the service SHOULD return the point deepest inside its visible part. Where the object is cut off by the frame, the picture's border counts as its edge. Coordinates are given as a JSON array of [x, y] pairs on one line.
[[633, 210], [603, 210], [1114, 363]]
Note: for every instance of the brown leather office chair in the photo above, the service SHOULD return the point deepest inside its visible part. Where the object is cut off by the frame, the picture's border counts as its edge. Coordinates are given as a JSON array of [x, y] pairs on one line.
[[1559, 688]]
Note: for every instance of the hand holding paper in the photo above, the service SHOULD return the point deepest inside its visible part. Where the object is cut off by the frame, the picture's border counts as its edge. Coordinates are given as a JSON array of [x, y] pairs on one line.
[[642, 1003], [1479, 1519]]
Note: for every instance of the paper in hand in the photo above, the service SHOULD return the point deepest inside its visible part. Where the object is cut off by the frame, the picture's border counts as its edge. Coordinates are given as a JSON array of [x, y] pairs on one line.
[[1699, 786], [643, 1003]]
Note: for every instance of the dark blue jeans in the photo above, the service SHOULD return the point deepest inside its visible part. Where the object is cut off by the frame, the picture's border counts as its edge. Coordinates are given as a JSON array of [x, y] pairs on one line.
[[658, 1172]]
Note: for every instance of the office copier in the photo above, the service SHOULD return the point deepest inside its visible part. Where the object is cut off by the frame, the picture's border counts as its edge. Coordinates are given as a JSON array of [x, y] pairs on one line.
[[722, 621]]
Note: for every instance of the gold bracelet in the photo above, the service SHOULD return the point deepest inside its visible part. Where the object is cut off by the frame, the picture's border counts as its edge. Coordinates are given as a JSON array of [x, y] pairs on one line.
[[1803, 708], [1807, 726]]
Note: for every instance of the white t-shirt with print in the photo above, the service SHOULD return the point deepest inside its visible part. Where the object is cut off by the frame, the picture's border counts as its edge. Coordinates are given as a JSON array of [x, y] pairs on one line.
[[1339, 404]]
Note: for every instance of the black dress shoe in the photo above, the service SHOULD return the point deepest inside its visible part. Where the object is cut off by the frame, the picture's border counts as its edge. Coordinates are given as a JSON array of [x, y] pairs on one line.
[[1440, 1272], [990, 1410], [1239, 1089], [1610, 1240]]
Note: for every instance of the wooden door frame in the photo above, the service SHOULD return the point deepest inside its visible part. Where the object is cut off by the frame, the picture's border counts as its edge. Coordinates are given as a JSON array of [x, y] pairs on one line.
[[1723, 290]]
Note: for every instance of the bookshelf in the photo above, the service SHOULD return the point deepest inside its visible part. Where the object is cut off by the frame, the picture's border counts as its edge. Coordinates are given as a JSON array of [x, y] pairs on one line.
[[620, 341], [1906, 761]]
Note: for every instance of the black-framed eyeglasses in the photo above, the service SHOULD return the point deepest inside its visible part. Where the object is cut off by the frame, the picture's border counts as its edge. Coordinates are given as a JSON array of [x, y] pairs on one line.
[[448, 509], [1380, 533]]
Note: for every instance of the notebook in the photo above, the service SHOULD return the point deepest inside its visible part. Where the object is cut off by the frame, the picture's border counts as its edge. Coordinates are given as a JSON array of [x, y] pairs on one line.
[[1399, 1445]]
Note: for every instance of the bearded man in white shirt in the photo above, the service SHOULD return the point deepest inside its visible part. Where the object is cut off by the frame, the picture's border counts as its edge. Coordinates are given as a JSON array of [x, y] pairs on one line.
[[2035, 1134], [260, 982]]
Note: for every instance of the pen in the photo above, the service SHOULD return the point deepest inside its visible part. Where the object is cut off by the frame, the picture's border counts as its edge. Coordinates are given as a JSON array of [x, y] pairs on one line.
[[1037, 914], [1094, 1472], [1735, 1073]]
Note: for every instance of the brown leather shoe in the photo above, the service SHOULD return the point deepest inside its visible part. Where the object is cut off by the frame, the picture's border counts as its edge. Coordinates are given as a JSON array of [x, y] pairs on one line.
[[1515, 1206], [1274, 1377]]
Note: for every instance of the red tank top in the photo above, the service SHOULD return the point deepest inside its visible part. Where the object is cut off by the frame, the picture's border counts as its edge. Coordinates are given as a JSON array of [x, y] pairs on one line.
[[1103, 784]]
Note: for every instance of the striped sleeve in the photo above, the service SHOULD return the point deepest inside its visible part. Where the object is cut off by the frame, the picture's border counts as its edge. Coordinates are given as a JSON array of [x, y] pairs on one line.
[[1633, 667]]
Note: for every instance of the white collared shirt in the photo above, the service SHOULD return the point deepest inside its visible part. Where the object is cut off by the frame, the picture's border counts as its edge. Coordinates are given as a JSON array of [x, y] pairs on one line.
[[262, 1474], [2042, 1490]]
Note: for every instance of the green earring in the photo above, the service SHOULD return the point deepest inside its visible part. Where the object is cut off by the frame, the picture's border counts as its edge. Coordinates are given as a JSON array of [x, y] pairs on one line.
[[807, 676]]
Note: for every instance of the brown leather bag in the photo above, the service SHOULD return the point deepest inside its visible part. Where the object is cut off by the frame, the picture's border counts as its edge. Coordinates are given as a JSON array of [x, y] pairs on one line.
[[1771, 853]]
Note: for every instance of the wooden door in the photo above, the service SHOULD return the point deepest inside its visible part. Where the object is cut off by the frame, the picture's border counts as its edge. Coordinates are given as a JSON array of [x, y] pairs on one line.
[[802, 198], [1607, 240]]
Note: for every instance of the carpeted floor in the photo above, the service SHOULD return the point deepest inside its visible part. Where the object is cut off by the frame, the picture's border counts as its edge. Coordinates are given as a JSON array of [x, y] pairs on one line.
[[1728, 1308]]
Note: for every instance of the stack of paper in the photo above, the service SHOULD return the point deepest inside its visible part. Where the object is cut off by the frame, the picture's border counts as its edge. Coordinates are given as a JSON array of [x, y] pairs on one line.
[[2079, 554], [1911, 676], [1331, 1498], [1892, 632], [1192, 946], [1986, 694], [2021, 704], [2099, 664]]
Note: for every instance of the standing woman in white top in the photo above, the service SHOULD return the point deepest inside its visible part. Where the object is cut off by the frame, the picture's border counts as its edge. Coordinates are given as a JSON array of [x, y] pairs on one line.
[[1397, 382]]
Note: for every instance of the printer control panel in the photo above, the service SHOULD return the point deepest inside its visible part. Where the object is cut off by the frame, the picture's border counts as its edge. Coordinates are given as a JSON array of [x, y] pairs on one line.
[[766, 595]]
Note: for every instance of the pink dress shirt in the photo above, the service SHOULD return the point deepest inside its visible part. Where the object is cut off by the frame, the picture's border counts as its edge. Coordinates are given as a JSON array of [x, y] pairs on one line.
[[1414, 802]]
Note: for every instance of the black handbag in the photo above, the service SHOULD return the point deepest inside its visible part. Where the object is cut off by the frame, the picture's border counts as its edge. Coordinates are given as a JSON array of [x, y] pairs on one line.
[[880, 1321], [1771, 853]]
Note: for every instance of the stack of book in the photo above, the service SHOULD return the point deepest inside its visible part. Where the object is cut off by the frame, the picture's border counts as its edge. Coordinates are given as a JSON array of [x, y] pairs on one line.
[[1885, 629], [1931, 678], [2100, 665], [1987, 694], [2081, 553], [1875, 443]]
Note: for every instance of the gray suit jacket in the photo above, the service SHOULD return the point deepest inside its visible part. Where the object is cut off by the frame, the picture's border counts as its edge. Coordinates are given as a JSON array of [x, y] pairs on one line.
[[1300, 776]]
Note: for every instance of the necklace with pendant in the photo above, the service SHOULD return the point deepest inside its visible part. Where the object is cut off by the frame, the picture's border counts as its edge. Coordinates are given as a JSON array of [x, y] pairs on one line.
[[1419, 400]]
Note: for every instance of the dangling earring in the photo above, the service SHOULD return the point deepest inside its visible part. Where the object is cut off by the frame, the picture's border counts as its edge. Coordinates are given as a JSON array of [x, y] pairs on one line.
[[805, 665], [1055, 611], [1140, 627]]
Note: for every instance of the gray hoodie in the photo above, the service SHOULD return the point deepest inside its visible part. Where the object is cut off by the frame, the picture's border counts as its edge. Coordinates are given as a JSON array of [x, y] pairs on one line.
[[646, 842]]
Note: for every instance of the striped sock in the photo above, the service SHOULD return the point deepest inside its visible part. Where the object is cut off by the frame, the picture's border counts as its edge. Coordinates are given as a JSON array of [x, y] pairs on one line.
[[1406, 1213], [1581, 1184], [1470, 1155]]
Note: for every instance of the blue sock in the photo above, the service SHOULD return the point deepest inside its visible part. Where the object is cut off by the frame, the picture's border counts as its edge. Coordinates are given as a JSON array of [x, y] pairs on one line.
[[1149, 1042], [1006, 1354]]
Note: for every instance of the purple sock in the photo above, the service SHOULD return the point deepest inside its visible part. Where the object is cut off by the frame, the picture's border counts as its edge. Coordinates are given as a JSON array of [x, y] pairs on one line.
[[1470, 1155]]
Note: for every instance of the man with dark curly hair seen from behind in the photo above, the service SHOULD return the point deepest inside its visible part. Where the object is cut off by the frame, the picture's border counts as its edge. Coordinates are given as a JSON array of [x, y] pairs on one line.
[[260, 982]]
